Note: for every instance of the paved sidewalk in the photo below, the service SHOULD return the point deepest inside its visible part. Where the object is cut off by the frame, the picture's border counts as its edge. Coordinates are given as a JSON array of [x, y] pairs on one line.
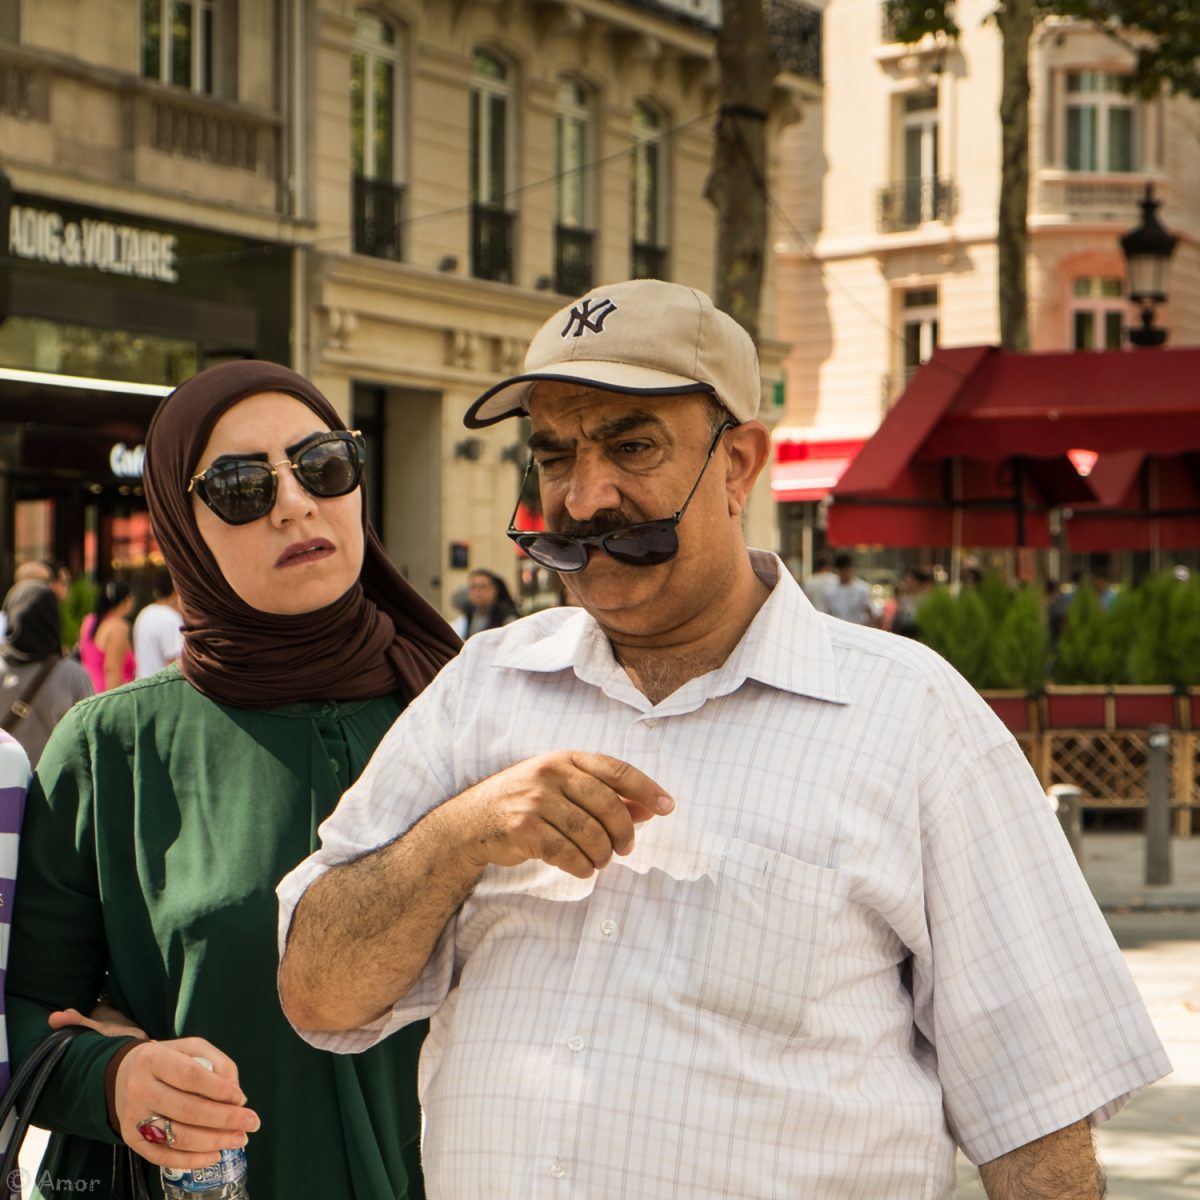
[[1114, 864]]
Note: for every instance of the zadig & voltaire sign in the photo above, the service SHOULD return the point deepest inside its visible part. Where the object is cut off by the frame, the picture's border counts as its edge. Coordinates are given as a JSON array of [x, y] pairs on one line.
[[45, 236]]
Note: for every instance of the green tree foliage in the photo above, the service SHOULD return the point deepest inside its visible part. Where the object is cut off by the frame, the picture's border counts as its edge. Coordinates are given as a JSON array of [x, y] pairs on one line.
[[1149, 658], [1080, 655], [81, 599], [1183, 644], [959, 629], [1018, 658]]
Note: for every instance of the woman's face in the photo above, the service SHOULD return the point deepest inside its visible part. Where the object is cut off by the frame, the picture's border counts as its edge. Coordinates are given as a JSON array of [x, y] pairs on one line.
[[307, 551], [481, 592]]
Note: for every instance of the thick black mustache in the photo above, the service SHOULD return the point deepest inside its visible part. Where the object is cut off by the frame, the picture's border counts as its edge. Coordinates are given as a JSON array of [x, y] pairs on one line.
[[607, 520]]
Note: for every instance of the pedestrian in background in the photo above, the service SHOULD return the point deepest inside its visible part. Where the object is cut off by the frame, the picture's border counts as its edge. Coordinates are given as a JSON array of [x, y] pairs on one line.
[[819, 584], [850, 597], [157, 629], [37, 685], [105, 648], [489, 605], [163, 814]]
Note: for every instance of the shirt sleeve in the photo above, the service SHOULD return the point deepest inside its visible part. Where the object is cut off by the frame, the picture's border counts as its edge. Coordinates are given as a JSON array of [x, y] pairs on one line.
[[59, 952], [1034, 1017], [411, 772]]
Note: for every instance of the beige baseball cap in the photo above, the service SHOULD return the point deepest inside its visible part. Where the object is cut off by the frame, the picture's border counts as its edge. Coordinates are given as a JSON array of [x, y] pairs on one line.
[[643, 337]]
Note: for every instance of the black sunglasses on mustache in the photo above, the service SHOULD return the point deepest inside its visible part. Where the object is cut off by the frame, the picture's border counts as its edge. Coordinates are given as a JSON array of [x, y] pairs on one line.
[[644, 544]]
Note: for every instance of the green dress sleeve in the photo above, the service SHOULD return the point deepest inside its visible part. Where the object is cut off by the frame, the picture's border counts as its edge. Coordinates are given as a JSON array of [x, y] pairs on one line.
[[57, 908]]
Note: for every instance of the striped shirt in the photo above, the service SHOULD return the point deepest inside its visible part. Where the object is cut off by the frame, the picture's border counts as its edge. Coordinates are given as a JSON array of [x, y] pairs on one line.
[[859, 938], [14, 782]]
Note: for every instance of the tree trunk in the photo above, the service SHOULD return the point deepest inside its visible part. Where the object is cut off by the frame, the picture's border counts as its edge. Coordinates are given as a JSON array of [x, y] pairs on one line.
[[737, 186], [1015, 18]]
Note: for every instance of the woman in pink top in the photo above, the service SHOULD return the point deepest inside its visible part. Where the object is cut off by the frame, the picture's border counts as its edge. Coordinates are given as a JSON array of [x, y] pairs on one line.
[[104, 646]]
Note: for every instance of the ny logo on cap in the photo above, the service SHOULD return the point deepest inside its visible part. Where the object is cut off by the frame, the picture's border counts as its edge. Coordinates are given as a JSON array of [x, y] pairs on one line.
[[588, 317]]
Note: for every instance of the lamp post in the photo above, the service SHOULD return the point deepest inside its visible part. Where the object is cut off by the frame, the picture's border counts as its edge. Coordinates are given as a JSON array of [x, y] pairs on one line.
[[1147, 250]]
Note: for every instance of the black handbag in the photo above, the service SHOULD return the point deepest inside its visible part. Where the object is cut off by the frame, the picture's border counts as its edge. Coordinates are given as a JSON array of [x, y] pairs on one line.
[[24, 1091]]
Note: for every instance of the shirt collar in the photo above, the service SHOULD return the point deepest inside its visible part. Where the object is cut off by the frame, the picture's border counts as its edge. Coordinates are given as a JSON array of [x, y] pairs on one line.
[[786, 646]]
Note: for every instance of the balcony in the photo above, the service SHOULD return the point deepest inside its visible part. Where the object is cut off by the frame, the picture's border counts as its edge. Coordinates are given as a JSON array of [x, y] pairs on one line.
[[573, 254], [1077, 195], [378, 218], [491, 243], [647, 261], [914, 202], [794, 38]]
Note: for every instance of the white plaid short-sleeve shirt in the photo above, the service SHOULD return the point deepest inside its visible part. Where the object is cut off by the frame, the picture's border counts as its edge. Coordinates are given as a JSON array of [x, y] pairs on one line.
[[859, 938]]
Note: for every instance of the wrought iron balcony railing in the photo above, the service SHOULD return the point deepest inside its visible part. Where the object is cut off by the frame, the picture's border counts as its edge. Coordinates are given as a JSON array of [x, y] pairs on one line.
[[573, 260], [378, 218], [647, 261], [491, 243], [913, 202]]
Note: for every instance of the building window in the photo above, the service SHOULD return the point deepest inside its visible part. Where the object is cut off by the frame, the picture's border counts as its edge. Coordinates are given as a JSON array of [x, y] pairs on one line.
[[179, 43], [919, 327], [375, 70], [1097, 313], [1100, 125], [648, 195], [573, 203], [490, 142], [919, 195]]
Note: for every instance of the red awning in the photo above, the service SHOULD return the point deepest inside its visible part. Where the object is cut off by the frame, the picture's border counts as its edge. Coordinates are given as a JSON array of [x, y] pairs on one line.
[[1011, 425], [807, 468]]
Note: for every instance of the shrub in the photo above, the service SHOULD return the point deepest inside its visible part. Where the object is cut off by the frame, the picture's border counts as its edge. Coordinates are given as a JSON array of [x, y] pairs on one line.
[[1020, 643], [1149, 659], [958, 629], [1081, 656], [81, 599], [1182, 649]]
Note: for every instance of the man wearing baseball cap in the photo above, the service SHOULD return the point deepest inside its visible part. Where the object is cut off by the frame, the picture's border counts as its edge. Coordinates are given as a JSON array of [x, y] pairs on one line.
[[706, 894]]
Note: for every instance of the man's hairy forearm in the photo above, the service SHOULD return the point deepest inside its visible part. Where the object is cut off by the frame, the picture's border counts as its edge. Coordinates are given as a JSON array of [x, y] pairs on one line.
[[363, 932], [1060, 1166]]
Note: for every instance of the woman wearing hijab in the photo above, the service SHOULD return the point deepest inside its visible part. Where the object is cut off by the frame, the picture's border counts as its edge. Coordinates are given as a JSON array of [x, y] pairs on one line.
[[37, 685], [489, 604], [163, 813]]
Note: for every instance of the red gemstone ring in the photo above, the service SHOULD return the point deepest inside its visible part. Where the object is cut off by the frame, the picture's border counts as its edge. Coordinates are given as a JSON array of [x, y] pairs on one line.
[[157, 1130]]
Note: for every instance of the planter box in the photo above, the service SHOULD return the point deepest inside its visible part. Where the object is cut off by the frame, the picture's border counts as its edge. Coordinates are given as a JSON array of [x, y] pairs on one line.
[[1078, 707], [1017, 709], [1140, 707]]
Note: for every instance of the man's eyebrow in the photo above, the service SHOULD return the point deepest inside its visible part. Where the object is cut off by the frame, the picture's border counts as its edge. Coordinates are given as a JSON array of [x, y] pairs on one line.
[[548, 442], [615, 427]]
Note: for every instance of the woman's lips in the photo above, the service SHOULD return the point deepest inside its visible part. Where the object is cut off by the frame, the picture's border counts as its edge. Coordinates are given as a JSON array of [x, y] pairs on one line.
[[299, 553]]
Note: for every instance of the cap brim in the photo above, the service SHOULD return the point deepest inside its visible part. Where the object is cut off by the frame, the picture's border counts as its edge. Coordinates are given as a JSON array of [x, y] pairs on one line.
[[510, 398]]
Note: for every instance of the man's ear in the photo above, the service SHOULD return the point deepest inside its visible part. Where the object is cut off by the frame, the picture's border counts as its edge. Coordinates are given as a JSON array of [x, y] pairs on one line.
[[747, 448]]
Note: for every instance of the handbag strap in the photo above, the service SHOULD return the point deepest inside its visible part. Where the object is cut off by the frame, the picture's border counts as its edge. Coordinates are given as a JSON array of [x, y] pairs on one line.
[[23, 704], [25, 1089]]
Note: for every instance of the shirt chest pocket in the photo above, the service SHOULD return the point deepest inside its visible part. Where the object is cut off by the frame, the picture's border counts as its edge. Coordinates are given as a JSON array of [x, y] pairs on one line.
[[751, 937]]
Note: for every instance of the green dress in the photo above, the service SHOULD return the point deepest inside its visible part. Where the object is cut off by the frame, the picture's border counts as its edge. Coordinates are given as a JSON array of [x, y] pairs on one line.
[[156, 829]]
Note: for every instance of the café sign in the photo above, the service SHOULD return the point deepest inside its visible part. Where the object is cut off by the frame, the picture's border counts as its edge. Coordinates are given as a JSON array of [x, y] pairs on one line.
[[44, 235]]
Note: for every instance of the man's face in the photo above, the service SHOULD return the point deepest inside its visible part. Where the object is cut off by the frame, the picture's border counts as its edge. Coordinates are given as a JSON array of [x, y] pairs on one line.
[[605, 461]]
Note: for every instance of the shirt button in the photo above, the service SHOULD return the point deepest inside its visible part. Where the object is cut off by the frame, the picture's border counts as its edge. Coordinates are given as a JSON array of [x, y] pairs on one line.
[[651, 722], [608, 928], [335, 765], [575, 1044], [557, 1169]]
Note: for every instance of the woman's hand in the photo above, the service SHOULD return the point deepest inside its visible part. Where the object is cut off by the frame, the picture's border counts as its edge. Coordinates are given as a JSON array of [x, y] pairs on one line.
[[104, 1019], [206, 1108]]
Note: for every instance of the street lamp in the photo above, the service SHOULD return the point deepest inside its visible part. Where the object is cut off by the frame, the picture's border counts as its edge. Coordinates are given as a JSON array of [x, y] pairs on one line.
[[1148, 250]]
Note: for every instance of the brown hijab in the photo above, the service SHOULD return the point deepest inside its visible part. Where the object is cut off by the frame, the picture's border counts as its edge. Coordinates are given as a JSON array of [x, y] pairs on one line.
[[379, 638]]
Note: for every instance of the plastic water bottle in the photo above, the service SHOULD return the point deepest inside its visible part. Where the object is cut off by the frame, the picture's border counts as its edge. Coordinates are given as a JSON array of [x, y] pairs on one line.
[[224, 1181]]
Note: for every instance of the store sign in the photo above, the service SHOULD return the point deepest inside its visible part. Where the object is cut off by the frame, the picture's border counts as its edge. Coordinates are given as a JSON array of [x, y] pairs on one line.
[[126, 461], [45, 236]]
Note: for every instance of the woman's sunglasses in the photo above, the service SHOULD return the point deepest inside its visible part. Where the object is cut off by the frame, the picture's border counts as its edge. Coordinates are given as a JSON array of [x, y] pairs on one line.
[[240, 488], [645, 544]]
